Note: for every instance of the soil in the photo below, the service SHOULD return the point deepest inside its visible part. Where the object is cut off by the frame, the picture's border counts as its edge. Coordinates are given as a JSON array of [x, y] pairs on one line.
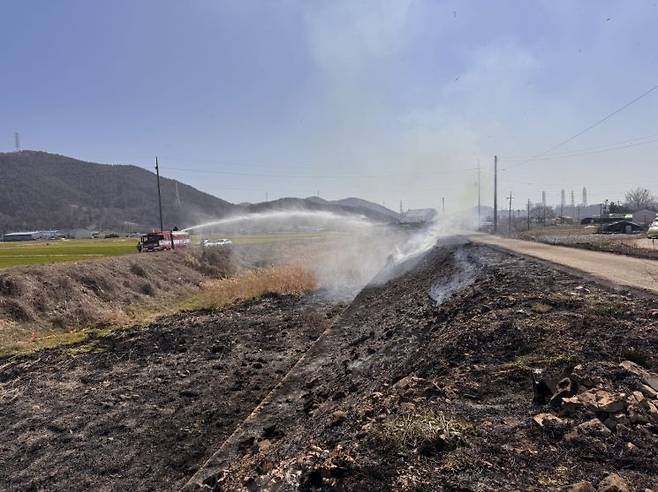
[[140, 409], [393, 393]]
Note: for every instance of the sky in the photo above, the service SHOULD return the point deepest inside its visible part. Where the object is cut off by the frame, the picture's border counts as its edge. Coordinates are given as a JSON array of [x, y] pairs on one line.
[[390, 101]]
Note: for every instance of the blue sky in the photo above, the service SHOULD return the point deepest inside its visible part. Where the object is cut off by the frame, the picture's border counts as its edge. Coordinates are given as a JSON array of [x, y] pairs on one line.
[[388, 100]]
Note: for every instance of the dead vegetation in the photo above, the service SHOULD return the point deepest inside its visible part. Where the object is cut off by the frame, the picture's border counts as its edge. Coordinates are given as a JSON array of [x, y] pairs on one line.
[[275, 280], [43, 305]]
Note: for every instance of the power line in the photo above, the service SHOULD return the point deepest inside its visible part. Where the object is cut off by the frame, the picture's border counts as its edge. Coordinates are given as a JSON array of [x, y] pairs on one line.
[[311, 176], [592, 126]]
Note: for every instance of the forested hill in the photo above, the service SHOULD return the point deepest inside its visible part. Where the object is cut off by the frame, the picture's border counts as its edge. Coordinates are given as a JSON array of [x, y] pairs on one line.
[[40, 190]]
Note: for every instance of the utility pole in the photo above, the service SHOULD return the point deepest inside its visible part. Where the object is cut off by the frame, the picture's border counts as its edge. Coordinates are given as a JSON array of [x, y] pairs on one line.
[[401, 211], [443, 205], [17, 141], [495, 212], [543, 206], [528, 213], [509, 215], [562, 200], [157, 173], [479, 189]]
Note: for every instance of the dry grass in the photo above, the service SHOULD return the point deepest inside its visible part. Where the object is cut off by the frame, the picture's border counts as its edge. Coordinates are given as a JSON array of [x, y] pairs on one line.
[[24, 338], [426, 432], [283, 279]]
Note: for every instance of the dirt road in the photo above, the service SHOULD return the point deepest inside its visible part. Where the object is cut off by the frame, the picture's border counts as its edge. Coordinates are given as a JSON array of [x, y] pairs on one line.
[[617, 269]]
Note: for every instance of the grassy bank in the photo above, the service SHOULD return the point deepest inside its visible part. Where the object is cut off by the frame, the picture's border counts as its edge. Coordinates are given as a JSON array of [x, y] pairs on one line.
[[212, 294]]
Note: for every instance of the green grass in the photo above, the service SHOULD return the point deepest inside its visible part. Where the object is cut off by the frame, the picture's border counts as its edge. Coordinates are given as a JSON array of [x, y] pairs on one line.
[[46, 252]]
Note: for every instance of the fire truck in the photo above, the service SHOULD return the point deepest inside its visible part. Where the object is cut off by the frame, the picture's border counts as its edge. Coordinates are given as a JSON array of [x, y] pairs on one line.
[[163, 240]]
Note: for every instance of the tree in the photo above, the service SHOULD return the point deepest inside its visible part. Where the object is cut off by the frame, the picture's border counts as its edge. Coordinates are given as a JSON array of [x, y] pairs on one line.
[[640, 198]]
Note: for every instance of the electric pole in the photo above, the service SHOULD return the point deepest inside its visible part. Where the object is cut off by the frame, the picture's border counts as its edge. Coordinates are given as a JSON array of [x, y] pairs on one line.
[[509, 215], [157, 173], [495, 212], [443, 205], [528, 213], [17, 141]]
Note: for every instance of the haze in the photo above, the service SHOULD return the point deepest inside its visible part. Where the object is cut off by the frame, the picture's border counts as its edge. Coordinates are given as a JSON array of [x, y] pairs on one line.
[[387, 101]]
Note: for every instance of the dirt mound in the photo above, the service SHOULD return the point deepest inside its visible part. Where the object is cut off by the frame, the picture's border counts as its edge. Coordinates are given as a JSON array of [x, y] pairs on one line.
[[94, 293], [405, 394]]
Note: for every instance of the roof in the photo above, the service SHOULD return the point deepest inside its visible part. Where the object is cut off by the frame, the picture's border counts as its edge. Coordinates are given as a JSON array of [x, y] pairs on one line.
[[418, 215]]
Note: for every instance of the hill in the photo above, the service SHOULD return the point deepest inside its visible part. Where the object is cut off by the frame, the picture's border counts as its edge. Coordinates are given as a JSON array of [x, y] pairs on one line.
[[48, 191], [41, 190]]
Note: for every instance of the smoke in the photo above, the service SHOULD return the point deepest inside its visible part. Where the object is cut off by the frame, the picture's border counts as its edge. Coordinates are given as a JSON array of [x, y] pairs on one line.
[[351, 251], [462, 278]]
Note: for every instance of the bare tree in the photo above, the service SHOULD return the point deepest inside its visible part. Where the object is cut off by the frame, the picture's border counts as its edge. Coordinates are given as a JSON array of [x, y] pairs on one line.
[[640, 198]]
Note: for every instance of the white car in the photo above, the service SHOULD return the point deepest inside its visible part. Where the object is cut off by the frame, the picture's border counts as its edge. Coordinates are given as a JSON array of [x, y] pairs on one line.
[[219, 243], [652, 233]]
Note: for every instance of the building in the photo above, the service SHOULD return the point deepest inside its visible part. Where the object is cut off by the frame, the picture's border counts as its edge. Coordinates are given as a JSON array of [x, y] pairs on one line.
[[420, 216], [22, 236], [644, 216]]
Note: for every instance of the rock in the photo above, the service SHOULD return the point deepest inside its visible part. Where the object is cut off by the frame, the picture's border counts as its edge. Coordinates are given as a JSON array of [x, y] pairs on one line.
[[564, 389], [631, 448], [613, 483], [653, 412], [408, 382], [591, 428], [617, 419], [338, 417], [648, 391], [550, 422], [596, 401], [264, 445], [581, 487], [645, 376]]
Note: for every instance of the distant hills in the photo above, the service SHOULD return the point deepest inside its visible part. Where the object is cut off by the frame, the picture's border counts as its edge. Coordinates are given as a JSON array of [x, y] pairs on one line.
[[40, 190]]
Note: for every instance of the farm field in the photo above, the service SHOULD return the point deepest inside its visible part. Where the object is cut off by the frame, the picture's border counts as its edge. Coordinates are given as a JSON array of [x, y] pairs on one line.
[[48, 252]]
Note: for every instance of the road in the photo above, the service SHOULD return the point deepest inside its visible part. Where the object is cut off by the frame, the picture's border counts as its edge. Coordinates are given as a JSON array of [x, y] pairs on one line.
[[613, 268]]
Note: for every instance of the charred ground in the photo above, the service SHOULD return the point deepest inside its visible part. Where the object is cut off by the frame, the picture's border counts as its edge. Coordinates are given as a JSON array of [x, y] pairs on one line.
[[397, 394]]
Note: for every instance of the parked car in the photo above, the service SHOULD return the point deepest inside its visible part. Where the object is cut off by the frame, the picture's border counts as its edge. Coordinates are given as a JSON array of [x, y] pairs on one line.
[[652, 233], [219, 243], [621, 227]]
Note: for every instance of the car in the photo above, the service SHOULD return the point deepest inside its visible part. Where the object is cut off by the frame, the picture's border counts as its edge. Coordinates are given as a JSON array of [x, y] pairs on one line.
[[652, 233], [219, 243]]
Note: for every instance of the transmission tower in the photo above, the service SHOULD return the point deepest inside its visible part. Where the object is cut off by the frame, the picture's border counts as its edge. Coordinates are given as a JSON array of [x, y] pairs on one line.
[[584, 196], [17, 141]]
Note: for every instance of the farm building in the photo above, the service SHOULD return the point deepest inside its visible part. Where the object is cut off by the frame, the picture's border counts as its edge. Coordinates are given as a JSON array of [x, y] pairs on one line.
[[22, 236], [418, 216]]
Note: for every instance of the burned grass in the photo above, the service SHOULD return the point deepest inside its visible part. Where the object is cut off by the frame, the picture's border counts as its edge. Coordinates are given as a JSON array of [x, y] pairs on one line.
[[484, 391], [403, 394], [140, 409]]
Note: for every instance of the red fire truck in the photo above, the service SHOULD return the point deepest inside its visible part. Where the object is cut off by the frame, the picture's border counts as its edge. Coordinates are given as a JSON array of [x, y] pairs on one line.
[[163, 240]]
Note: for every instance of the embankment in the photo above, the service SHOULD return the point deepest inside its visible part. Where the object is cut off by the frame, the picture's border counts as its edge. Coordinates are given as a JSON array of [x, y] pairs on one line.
[[40, 300]]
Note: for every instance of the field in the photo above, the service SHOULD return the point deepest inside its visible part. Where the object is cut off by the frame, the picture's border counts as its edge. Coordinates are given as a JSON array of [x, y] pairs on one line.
[[48, 252], [291, 390], [584, 237]]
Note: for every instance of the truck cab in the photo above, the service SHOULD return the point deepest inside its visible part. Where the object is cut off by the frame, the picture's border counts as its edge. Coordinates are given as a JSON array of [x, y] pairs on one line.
[[163, 240]]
